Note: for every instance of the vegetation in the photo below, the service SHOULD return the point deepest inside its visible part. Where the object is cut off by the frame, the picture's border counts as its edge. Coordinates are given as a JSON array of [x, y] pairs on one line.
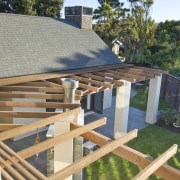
[[152, 141], [49, 8], [139, 101], [143, 41]]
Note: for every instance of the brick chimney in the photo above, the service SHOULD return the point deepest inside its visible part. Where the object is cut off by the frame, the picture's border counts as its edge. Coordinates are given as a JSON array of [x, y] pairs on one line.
[[81, 15]]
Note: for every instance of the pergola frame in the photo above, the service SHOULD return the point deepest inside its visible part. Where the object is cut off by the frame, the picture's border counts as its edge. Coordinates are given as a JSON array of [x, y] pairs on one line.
[[48, 86]]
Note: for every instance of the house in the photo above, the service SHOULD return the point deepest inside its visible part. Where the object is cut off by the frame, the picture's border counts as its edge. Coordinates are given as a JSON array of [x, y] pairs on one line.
[[44, 62]]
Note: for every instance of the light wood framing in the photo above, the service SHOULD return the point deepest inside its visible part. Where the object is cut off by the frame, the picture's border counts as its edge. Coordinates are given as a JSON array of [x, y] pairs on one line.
[[29, 92]]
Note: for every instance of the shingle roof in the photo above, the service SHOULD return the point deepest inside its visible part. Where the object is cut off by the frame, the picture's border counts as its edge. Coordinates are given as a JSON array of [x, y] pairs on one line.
[[32, 45]]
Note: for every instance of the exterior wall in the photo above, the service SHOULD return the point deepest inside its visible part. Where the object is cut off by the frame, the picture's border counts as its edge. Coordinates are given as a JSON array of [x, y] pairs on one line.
[[170, 90], [27, 120], [6, 120]]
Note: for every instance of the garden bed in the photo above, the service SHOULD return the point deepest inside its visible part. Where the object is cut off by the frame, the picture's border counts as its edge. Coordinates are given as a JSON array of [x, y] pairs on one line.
[[170, 127]]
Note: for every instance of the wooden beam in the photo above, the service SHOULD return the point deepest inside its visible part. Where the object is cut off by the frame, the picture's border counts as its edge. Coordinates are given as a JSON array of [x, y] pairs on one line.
[[16, 165], [33, 84], [85, 161], [103, 79], [29, 95], [130, 75], [166, 172], [59, 139], [110, 86], [88, 87], [23, 162], [117, 77], [45, 76], [78, 92], [38, 104], [152, 167], [38, 124], [4, 127], [156, 72], [11, 169], [15, 114], [31, 89], [78, 97], [131, 79], [52, 84], [136, 72], [5, 174]]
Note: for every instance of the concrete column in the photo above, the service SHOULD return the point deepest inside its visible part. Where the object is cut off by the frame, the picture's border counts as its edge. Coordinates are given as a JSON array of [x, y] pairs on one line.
[[122, 109], [153, 99], [88, 99], [63, 153]]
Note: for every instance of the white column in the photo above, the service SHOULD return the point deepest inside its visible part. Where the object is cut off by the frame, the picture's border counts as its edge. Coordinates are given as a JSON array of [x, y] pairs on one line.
[[122, 109], [153, 99], [88, 101], [63, 153]]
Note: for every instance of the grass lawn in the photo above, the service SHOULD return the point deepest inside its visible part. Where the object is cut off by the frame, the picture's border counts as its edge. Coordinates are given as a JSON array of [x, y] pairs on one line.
[[152, 141], [139, 101]]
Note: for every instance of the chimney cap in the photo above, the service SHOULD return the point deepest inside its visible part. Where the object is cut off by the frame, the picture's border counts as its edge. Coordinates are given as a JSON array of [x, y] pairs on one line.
[[78, 10]]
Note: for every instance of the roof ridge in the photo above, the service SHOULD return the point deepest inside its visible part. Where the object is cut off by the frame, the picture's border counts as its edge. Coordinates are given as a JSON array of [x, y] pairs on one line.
[[29, 16]]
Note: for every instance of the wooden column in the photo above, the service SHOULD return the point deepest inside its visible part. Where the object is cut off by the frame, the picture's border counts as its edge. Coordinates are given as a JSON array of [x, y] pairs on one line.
[[153, 99], [122, 109]]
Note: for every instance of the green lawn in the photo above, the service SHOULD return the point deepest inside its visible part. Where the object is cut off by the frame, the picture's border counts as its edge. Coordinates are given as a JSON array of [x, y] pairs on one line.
[[139, 101], [152, 141]]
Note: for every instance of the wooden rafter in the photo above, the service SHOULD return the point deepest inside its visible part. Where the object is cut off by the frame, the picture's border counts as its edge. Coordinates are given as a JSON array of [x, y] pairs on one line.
[[134, 71], [120, 76], [152, 167], [87, 80], [85, 161], [4, 127], [30, 95], [26, 153], [38, 124], [102, 78], [166, 172], [129, 75], [38, 104], [88, 87], [48, 86], [54, 75], [15, 114], [31, 89], [11, 158]]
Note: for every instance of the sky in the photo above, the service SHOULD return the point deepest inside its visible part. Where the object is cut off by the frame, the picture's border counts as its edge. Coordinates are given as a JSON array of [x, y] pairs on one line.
[[161, 10]]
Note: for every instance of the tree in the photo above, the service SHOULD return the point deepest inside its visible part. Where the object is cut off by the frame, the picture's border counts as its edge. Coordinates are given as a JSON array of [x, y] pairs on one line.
[[5, 6], [166, 48], [140, 29], [49, 8], [107, 17]]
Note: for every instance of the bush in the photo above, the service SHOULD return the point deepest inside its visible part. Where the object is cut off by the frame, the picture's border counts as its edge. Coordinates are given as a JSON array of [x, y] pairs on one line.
[[168, 117]]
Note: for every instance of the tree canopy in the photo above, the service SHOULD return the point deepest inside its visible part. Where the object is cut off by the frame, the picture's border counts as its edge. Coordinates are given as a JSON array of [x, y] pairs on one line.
[[49, 8]]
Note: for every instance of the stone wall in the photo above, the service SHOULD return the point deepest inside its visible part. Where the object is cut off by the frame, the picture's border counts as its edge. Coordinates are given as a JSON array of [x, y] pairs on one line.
[[170, 90]]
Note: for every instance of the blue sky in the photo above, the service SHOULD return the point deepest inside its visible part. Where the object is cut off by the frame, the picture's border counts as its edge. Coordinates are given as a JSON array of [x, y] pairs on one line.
[[162, 9]]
